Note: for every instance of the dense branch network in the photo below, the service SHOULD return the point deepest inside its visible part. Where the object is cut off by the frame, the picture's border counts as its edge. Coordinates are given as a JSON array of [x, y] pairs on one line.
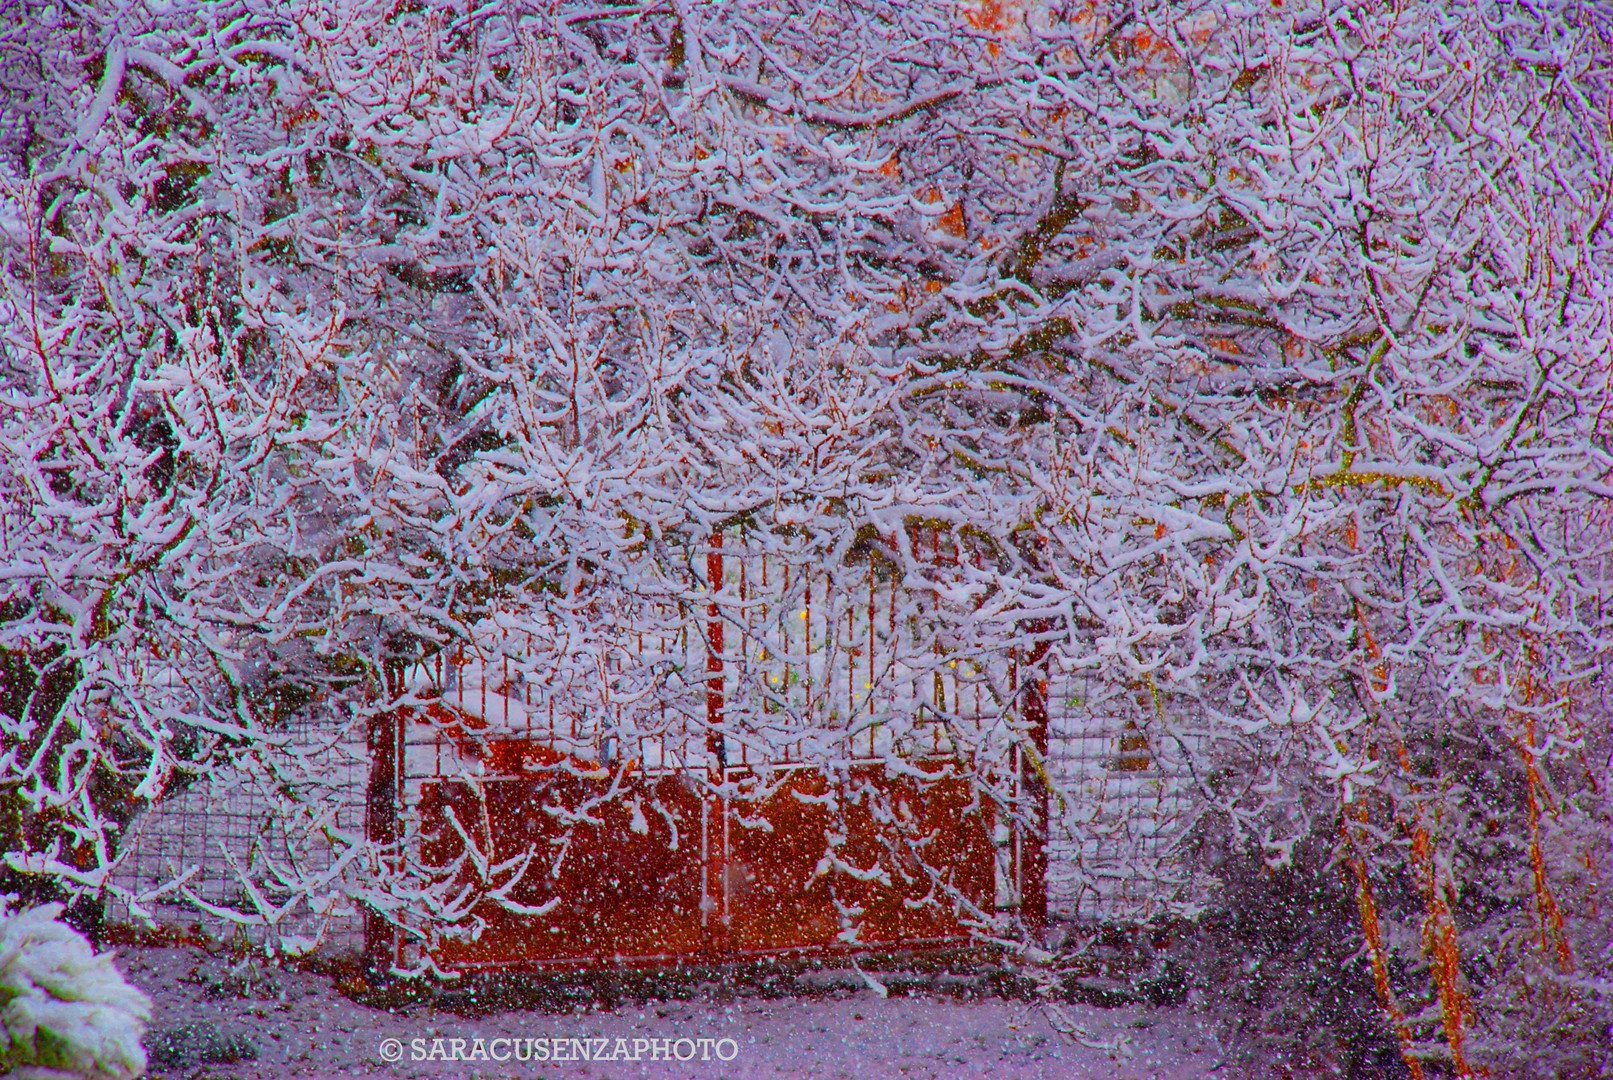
[[1251, 363]]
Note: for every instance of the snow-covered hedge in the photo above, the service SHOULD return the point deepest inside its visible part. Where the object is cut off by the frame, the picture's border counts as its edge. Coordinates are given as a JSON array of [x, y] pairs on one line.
[[64, 1010]]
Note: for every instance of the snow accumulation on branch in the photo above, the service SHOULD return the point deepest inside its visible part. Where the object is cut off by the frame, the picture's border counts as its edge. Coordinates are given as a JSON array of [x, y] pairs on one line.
[[1249, 362]]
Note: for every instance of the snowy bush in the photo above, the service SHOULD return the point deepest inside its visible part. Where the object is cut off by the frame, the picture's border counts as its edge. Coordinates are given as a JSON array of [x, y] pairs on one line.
[[65, 1012]]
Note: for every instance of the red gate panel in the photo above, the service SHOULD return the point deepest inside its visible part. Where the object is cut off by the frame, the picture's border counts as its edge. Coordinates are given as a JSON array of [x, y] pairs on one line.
[[786, 895], [640, 869]]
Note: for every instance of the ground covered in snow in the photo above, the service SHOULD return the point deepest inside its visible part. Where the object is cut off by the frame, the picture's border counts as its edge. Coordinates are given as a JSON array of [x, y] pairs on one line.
[[212, 1023]]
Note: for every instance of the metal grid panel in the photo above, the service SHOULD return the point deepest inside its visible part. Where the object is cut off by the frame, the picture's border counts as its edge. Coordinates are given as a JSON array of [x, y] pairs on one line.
[[225, 816], [1127, 800]]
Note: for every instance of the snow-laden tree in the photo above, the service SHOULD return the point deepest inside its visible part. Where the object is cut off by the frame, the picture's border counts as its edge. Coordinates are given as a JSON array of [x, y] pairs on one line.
[[1251, 361]]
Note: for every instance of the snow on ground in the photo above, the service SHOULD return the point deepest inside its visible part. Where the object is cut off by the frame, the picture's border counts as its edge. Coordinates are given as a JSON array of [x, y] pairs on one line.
[[302, 1027]]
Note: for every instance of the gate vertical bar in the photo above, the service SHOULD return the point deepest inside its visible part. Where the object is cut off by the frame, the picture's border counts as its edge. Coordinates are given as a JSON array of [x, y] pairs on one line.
[[1033, 784], [713, 904], [383, 738]]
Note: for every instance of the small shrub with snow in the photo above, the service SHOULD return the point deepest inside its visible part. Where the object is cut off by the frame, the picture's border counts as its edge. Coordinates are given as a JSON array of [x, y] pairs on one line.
[[203, 1042], [65, 1012]]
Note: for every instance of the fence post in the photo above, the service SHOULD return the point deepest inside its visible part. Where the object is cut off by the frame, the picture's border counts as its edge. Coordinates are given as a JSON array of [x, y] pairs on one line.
[[1033, 784], [382, 739], [714, 898]]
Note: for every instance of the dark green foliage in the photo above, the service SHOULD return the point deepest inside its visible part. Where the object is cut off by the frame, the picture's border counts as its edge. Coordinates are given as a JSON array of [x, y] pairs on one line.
[[1281, 960], [199, 1043]]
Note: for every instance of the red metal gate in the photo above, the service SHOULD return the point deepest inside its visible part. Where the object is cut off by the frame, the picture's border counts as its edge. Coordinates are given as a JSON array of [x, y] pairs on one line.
[[656, 873], [710, 848], [630, 866]]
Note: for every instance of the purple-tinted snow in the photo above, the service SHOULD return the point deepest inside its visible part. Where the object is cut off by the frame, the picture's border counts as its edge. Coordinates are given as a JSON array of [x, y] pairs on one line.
[[302, 1027]]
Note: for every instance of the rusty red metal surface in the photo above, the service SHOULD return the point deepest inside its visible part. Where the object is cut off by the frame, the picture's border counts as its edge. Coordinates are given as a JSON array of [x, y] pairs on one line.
[[643, 869]]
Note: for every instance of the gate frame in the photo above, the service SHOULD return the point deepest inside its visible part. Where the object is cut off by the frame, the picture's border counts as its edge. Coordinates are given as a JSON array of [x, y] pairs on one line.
[[1027, 887]]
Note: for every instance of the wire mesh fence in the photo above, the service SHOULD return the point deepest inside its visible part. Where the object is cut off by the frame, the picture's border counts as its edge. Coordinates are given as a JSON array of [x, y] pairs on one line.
[[1123, 799], [1120, 803], [766, 661], [188, 859]]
